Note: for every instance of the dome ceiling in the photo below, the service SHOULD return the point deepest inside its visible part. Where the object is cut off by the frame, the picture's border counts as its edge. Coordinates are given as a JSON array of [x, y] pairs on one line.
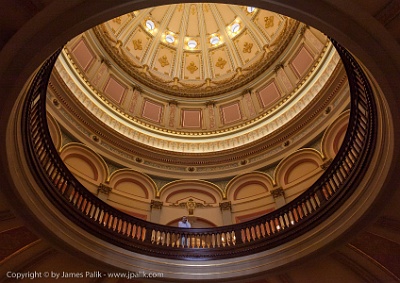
[[196, 50], [179, 87]]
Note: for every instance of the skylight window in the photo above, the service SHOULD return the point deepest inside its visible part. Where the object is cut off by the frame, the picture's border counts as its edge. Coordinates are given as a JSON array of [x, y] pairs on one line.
[[250, 9], [150, 24], [214, 40], [192, 43], [235, 28], [170, 38]]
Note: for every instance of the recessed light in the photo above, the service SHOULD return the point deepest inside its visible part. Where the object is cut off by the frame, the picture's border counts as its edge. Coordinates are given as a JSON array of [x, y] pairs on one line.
[[192, 43], [170, 38], [235, 27], [214, 40], [150, 24]]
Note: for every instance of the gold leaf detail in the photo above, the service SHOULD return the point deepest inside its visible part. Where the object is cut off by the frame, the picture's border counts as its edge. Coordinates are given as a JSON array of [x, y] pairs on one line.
[[220, 63], [137, 44], [247, 47], [269, 21], [192, 67], [117, 20], [163, 61]]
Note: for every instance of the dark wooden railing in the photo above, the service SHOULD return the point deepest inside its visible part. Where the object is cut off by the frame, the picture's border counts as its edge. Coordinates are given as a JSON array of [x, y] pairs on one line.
[[283, 225]]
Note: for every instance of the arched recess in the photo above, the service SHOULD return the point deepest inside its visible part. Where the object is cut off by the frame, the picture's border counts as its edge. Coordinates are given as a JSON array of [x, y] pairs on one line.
[[195, 198], [250, 195], [298, 171], [131, 192], [334, 135], [90, 169], [55, 131]]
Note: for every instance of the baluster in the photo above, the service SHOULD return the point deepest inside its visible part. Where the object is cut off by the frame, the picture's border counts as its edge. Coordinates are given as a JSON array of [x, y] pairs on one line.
[[317, 201], [158, 237], [286, 218], [248, 236], [198, 241], [262, 229], [325, 193], [267, 227], [105, 218], [129, 230], [258, 232], [303, 206], [192, 241], [173, 240], [107, 222], [228, 238], [138, 232], [313, 202], [308, 204], [243, 235], [223, 239], [281, 222], [153, 236], [253, 233], [213, 241], [276, 221], [299, 211], [272, 225], [144, 230], [114, 223], [233, 236], [134, 231], [291, 217], [332, 185], [168, 242], [163, 238], [203, 241], [218, 236], [124, 227], [178, 240], [96, 214], [208, 241], [88, 209]]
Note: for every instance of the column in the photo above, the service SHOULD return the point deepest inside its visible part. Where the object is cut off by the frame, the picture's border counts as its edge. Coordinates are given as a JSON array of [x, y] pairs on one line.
[[226, 210], [103, 192], [155, 210], [279, 197]]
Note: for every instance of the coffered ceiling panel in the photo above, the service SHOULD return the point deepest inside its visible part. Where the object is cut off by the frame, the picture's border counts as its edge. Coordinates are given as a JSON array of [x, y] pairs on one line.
[[83, 55]]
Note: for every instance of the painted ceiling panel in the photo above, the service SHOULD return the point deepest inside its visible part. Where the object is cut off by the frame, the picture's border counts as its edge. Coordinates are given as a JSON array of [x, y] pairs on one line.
[[83, 54]]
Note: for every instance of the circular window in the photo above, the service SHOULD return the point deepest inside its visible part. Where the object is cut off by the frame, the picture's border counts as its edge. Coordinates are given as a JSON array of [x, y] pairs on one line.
[[150, 24], [235, 27], [170, 38], [192, 43], [214, 40], [250, 9]]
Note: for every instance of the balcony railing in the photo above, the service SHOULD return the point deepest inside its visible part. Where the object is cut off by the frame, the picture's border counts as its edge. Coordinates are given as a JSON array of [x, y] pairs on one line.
[[280, 226]]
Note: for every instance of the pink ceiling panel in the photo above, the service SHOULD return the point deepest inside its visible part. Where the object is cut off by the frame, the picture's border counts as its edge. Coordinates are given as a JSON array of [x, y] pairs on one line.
[[269, 95], [231, 113], [302, 61], [115, 90], [191, 118], [152, 111], [83, 54]]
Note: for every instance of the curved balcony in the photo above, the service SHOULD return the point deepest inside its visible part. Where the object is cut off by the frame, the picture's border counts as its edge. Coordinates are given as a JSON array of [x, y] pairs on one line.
[[308, 210]]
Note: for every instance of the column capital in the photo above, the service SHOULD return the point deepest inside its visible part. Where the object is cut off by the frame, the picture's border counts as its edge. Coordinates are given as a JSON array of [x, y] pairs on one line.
[[155, 204], [279, 192], [225, 205], [104, 189]]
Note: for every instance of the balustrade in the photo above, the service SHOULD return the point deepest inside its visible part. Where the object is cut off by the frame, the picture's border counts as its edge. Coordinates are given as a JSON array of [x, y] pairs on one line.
[[132, 233]]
